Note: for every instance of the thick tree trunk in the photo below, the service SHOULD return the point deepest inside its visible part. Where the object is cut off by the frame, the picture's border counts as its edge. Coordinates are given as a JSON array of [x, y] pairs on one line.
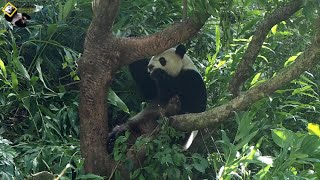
[[96, 66], [93, 119]]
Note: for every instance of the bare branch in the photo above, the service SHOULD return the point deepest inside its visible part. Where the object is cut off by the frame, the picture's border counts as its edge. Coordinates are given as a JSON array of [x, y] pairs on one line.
[[184, 10], [305, 61], [150, 45], [244, 70], [105, 12]]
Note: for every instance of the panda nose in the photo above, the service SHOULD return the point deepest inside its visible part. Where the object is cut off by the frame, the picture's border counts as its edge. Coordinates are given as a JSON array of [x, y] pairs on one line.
[[150, 67]]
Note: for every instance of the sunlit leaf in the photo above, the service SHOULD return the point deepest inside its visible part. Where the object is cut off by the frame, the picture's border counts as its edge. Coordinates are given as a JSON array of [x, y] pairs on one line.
[[255, 78], [3, 69], [283, 137], [274, 29], [291, 59], [314, 129]]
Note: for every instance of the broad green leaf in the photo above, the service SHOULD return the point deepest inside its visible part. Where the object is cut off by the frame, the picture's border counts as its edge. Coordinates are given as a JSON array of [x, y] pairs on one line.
[[3, 69], [314, 129], [199, 167], [114, 99], [283, 137], [310, 144], [67, 8]]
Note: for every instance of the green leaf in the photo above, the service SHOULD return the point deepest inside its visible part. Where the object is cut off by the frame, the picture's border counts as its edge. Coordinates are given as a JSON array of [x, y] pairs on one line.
[[38, 62], [52, 29], [3, 69], [283, 137], [291, 59], [90, 176], [21, 68], [263, 172], [60, 15], [314, 129], [255, 78], [274, 29], [302, 90], [245, 140], [310, 145], [199, 167], [114, 99], [67, 8], [14, 80]]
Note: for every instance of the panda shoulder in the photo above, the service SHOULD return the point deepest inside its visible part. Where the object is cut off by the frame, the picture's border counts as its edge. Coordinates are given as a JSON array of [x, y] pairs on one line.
[[188, 64]]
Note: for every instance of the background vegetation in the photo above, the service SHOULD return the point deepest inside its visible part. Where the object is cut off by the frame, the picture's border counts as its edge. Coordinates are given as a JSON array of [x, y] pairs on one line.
[[278, 137]]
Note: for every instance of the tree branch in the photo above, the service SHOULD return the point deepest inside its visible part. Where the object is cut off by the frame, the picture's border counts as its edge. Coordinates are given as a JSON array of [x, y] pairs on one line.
[[184, 10], [305, 61], [105, 12], [244, 70], [148, 46]]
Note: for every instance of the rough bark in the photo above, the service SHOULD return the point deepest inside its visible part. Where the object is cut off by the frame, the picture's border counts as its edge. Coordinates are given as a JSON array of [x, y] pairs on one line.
[[244, 69], [145, 47], [309, 59]]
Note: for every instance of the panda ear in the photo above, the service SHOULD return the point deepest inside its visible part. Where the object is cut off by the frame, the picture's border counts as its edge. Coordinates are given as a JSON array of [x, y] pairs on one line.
[[181, 50]]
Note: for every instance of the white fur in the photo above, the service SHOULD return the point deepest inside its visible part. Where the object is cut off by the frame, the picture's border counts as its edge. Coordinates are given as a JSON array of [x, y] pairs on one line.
[[9, 9], [174, 64], [190, 139], [16, 18]]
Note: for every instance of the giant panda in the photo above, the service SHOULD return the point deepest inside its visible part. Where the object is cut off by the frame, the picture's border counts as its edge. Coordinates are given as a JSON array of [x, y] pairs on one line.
[[168, 74], [17, 19]]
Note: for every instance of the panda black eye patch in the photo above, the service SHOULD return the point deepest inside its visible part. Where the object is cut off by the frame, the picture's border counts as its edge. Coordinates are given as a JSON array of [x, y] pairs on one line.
[[162, 61]]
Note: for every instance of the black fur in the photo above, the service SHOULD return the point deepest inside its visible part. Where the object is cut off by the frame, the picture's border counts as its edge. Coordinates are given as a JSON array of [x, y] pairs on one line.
[[146, 86], [181, 50], [9, 19], [189, 87]]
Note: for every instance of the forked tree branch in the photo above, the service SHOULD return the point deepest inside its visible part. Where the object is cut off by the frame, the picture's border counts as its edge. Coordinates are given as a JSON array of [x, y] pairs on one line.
[[309, 59], [244, 69]]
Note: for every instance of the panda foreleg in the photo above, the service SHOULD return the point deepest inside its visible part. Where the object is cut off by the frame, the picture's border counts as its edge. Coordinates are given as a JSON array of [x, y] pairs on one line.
[[141, 76]]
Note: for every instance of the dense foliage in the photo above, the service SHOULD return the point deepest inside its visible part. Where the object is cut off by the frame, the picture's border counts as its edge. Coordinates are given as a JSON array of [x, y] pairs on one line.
[[278, 136]]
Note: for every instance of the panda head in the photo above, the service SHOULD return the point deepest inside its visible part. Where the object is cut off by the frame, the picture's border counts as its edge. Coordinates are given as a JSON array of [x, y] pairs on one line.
[[172, 61], [9, 9]]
